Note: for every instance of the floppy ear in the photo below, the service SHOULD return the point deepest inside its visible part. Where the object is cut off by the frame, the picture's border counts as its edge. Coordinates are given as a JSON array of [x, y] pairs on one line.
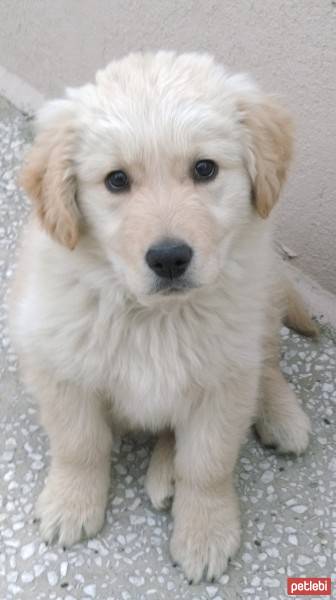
[[48, 174], [269, 149]]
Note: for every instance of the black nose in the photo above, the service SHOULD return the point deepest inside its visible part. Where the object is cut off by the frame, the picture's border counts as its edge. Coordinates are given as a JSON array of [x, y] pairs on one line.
[[169, 259]]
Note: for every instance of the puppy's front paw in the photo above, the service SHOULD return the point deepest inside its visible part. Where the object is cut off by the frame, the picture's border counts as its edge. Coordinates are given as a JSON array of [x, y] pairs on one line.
[[71, 508], [206, 535]]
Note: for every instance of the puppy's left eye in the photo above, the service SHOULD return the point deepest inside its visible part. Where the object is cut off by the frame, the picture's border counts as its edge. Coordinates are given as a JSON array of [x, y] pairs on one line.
[[204, 170], [117, 181]]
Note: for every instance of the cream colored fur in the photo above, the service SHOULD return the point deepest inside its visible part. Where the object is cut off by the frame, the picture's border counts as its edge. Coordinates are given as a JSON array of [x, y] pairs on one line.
[[97, 346]]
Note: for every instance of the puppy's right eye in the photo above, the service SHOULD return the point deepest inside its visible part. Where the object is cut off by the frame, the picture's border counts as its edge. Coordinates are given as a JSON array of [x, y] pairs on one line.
[[205, 170], [117, 181]]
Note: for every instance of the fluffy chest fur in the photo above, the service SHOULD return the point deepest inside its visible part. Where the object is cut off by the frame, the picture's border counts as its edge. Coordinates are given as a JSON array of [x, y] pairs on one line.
[[153, 362]]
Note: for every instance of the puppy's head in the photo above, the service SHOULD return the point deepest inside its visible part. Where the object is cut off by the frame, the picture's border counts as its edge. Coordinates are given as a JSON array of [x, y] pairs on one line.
[[164, 162]]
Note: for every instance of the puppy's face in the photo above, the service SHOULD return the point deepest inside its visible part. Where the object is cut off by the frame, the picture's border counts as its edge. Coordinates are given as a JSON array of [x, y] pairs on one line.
[[162, 186], [165, 161]]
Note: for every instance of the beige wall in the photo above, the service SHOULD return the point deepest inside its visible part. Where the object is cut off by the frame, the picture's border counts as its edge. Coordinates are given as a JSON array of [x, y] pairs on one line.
[[289, 45]]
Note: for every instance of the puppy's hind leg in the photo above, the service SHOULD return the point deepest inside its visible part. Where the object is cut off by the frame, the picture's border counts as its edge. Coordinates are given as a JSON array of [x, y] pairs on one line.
[[281, 421], [159, 481]]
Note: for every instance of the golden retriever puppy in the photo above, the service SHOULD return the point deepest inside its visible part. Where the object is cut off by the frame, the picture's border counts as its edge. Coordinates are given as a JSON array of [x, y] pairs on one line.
[[148, 292]]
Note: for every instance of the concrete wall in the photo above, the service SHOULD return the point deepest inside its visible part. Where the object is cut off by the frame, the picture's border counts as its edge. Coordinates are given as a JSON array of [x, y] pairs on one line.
[[289, 45]]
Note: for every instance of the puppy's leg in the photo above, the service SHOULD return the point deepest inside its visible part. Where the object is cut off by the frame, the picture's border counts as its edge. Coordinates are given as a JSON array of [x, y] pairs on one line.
[[74, 498], [159, 482], [205, 507], [281, 422]]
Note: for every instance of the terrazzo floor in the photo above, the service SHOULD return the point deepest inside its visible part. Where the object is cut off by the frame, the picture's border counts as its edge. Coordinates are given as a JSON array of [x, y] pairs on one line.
[[288, 505]]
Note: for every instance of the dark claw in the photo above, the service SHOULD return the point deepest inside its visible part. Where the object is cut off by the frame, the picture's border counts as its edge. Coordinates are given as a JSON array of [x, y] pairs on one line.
[[190, 582], [174, 565], [213, 579], [64, 548]]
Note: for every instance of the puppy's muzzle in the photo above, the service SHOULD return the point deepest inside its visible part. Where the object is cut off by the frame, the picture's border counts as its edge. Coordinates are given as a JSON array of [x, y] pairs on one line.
[[169, 259]]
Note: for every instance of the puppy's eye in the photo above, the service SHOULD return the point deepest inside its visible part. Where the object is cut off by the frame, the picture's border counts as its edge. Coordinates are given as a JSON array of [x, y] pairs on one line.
[[117, 181], [204, 170]]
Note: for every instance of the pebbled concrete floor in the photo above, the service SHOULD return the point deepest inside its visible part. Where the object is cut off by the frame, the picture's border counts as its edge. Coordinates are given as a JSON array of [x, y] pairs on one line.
[[288, 505]]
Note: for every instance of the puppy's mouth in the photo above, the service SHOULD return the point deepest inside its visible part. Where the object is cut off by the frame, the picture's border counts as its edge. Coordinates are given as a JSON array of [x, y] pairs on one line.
[[172, 287]]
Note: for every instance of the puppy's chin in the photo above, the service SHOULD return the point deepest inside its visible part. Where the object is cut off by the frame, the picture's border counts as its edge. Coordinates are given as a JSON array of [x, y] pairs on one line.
[[155, 292]]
